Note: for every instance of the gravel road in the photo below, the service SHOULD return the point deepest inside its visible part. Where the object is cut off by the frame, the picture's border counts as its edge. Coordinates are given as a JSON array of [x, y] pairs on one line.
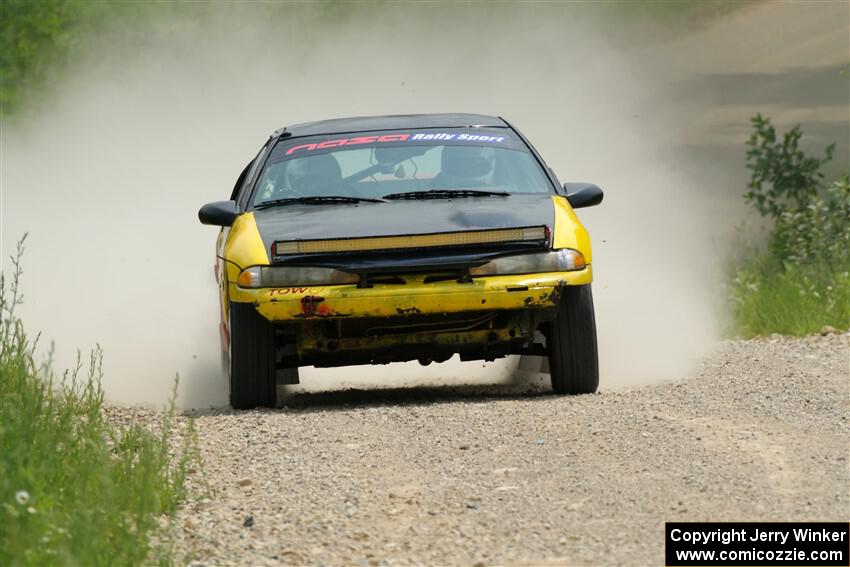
[[505, 477]]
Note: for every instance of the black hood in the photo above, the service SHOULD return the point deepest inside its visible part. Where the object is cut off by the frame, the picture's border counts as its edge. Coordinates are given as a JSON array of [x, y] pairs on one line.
[[403, 217], [309, 222]]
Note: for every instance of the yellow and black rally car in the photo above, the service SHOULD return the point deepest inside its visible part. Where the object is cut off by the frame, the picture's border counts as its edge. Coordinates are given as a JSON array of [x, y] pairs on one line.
[[383, 239]]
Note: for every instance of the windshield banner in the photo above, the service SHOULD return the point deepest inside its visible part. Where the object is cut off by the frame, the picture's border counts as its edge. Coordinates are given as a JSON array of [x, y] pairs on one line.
[[456, 137]]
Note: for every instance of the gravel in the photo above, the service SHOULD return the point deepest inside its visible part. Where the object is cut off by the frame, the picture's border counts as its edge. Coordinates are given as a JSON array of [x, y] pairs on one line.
[[495, 477]]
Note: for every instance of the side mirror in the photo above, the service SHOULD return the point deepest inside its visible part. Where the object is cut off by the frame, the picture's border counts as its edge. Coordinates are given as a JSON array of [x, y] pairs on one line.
[[220, 213], [583, 194]]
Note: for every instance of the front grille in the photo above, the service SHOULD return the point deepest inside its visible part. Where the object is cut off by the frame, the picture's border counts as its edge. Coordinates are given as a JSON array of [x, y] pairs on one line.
[[381, 279], [369, 279], [418, 323]]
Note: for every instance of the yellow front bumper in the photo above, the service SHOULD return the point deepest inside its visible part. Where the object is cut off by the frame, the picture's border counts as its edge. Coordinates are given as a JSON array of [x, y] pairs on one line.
[[529, 291]]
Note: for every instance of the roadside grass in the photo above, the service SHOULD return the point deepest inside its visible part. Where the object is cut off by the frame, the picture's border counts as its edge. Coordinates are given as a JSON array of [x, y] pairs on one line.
[[768, 298], [76, 489]]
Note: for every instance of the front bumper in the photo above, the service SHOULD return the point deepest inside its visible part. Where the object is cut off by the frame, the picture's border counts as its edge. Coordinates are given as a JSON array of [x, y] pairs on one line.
[[528, 291]]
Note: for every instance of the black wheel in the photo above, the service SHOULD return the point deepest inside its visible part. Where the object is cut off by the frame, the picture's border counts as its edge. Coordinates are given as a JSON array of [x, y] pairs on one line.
[[573, 359], [252, 363]]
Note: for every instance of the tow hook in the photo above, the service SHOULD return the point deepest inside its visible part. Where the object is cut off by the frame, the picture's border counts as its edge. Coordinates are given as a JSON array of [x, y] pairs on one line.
[[309, 304]]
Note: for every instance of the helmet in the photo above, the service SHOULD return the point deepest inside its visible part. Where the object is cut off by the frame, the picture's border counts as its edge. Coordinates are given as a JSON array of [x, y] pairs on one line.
[[314, 175], [467, 165]]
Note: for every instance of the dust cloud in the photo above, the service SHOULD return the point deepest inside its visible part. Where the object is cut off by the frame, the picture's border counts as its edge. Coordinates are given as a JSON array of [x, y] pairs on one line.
[[108, 174]]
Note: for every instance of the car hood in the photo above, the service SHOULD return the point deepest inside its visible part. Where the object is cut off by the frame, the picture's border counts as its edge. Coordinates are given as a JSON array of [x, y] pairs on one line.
[[308, 222]]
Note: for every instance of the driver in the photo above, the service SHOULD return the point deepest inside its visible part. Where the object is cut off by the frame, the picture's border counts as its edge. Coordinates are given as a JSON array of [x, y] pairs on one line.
[[463, 167], [314, 176]]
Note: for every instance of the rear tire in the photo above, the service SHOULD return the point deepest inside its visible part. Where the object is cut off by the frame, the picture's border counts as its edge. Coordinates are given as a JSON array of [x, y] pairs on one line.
[[573, 358], [252, 362]]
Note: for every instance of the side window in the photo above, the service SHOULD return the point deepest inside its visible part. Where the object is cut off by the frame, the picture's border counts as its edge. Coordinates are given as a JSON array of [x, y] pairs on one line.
[[240, 181], [250, 174]]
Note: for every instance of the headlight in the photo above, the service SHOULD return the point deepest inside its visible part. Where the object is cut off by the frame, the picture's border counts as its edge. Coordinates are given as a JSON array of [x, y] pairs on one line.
[[281, 276], [564, 260]]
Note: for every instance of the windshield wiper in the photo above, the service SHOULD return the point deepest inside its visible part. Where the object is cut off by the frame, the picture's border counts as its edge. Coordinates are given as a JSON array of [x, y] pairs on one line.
[[445, 194], [316, 200]]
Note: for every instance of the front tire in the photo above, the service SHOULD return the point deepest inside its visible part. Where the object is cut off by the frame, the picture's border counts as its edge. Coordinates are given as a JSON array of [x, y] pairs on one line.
[[573, 358], [252, 363]]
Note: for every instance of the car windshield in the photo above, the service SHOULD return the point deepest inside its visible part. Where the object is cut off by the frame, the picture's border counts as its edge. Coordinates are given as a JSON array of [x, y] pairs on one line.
[[372, 165]]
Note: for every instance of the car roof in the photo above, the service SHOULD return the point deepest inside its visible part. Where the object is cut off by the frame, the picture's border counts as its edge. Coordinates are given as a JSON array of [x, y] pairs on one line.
[[395, 122]]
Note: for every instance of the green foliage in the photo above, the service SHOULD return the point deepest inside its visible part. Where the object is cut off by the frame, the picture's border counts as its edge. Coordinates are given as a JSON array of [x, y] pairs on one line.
[[801, 282], [76, 489], [38, 39], [816, 233], [33, 37], [783, 177]]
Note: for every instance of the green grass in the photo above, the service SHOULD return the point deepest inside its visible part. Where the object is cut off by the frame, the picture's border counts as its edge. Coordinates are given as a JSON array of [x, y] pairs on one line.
[[76, 489], [790, 300]]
